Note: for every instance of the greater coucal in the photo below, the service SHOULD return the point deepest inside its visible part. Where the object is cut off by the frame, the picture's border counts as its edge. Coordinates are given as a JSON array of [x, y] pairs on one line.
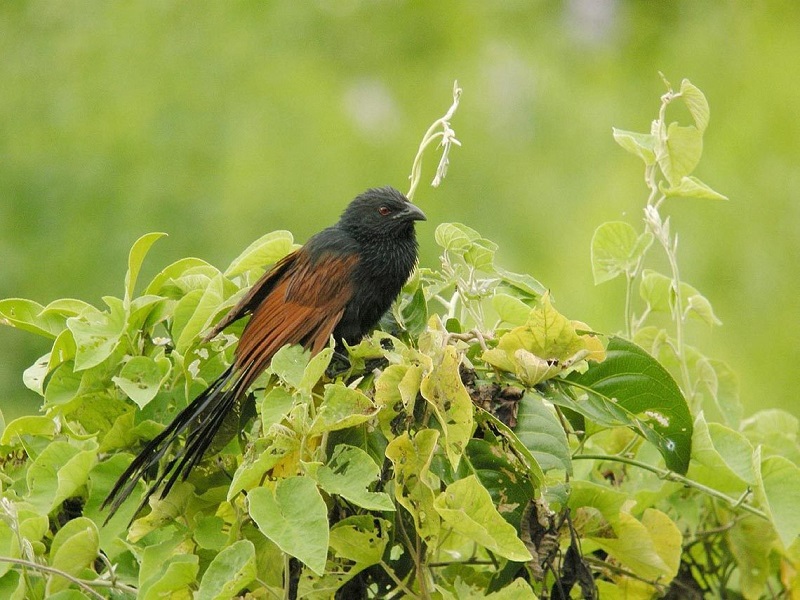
[[339, 283]]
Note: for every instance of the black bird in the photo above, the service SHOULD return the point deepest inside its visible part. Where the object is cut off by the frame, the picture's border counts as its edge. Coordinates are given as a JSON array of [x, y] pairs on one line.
[[339, 283]]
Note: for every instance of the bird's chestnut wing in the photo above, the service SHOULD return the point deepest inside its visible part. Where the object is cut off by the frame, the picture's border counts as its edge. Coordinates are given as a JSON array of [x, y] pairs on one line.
[[303, 307]]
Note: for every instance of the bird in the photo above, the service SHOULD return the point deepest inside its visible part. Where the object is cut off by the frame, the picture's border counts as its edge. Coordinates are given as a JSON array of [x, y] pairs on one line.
[[339, 283]]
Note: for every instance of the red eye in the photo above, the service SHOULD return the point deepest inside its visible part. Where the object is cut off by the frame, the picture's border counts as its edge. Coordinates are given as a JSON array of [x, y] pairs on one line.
[[384, 210]]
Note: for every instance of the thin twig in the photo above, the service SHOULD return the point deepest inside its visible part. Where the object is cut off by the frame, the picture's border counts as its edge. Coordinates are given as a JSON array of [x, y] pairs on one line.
[[81, 583], [398, 582], [673, 476], [622, 571]]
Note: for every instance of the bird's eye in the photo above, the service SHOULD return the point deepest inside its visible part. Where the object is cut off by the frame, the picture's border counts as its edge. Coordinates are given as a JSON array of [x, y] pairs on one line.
[[384, 210]]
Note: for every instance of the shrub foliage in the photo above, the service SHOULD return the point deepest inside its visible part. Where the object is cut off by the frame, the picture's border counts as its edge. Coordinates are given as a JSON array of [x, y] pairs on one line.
[[480, 443]]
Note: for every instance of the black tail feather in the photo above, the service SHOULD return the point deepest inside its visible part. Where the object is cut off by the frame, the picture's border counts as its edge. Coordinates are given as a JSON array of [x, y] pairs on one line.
[[212, 406]]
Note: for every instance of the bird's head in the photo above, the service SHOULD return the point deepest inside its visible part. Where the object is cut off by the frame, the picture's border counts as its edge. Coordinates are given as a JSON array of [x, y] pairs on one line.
[[381, 213]]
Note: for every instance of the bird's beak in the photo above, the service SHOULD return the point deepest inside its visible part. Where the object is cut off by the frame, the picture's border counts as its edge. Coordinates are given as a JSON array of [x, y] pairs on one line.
[[412, 212]]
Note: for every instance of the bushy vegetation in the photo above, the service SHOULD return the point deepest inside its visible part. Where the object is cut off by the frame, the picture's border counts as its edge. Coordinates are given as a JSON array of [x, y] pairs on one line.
[[480, 443]]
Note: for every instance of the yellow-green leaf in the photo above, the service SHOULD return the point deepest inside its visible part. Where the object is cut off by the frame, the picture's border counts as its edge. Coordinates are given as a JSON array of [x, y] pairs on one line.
[[466, 508], [414, 490], [451, 403]]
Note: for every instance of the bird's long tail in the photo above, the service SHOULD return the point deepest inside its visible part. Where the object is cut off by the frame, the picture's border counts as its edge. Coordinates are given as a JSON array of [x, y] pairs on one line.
[[202, 417]]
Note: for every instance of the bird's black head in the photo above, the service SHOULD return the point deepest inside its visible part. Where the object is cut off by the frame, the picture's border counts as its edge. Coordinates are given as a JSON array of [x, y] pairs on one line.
[[380, 213]]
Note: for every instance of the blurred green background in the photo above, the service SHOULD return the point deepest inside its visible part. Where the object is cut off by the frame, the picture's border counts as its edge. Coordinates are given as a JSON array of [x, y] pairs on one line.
[[217, 122]]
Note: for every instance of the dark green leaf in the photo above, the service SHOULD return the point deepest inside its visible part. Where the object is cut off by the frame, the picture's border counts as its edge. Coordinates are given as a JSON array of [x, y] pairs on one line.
[[542, 433], [650, 401]]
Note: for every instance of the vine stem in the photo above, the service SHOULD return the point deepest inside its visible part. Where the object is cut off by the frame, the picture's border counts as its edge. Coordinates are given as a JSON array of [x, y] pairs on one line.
[[673, 476], [601, 564], [447, 136], [628, 306], [85, 585], [660, 230], [398, 582]]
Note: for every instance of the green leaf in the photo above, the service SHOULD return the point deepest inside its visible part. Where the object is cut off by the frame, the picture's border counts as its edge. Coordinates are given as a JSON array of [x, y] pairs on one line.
[[542, 433], [34, 376], [266, 250], [721, 457], [75, 547], [174, 271], [361, 539], [357, 543], [29, 425], [639, 144], [519, 589], [275, 406], [776, 431], [658, 291], [651, 548], [342, 407], [146, 311], [696, 102], [289, 364], [229, 572], [195, 312], [97, 333], [503, 474], [778, 491], [510, 309], [142, 377], [463, 241], [692, 187], [209, 532], [451, 402], [63, 385], [69, 594], [349, 473], [175, 576], [455, 236], [681, 153], [480, 254], [59, 471], [260, 458], [30, 316], [498, 434], [395, 395], [314, 370], [136, 256], [295, 517], [725, 392], [607, 501], [522, 282], [466, 589], [63, 349], [616, 250], [14, 586], [102, 478], [544, 347], [466, 508], [415, 313], [162, 510], [414, 483], [632, 380], [66, 307], [751, 541]]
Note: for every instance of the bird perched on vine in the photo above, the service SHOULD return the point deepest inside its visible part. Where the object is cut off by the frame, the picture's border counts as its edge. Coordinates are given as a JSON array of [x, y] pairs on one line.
[[340, 283]]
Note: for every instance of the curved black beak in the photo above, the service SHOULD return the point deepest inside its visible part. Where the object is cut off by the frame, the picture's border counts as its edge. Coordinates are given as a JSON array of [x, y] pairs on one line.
[[412, 212]]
